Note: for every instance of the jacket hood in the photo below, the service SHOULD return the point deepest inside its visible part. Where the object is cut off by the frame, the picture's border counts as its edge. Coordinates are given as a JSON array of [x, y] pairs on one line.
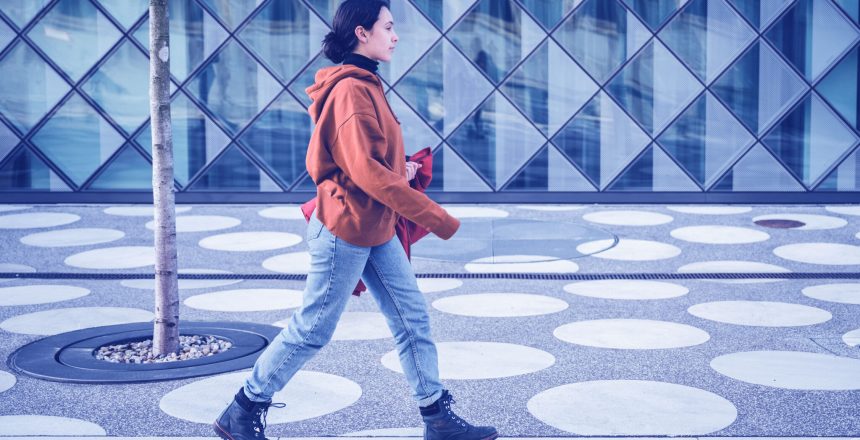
[[325, 80]]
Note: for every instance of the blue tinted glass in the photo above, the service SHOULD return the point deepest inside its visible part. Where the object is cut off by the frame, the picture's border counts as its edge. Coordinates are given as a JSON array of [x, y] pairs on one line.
[[234, 87], [812, 35], [601, 35], [653, 171], [196, 139], [760, 12], [851, 7], [306, 184], [496, 140], [26, 171], [549, 170], [416, 133], [549, 12], [654, 87], [707, 35], [22, 101], [451, 173], [232, 12], [443, 13], [121, 86], [846, 177], [8, 140], [194, 35], [759, 87], [654, 12], [325, 8], [280, 138], [432, 9], [22, 11], [75, 35], [841, 87], [601, 140], [77, 139], [810, 139], [706, 139], [415, 34], [758, 170], [549, 88], [127, 12], [233, 171], [285, 35], [306, 78], [443, 88], [129, 171], [7, 34], [496, 35]]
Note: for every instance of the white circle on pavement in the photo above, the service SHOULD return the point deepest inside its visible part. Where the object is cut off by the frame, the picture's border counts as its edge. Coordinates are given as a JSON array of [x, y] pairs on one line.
[[149, 284], [552, 208], [250, 241], [387, 432], [33, 425], [283, 213], [295, 262], [626, 289], [39, 294], [357, 326], [793, 370], [9, 208], [845, 293], [811, 222], [628, 218], [246, 300], [833, 254], [852, 338], [307, 395], [734, 267], [629, 250], [6, 381], [632, 407], [33, 220], [200, 223], [72, 237], [521, 264], [140, 211], [499, 305], [481, 360], [760, 313], [475, 212], [713, 234], [123, 257], [55, 321], [631, 334], [845, 210], [430, 285], [711, 210], [14, 268]]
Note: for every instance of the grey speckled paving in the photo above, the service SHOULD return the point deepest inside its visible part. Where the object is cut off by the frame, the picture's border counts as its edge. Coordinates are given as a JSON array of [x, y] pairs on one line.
[[675, 372]]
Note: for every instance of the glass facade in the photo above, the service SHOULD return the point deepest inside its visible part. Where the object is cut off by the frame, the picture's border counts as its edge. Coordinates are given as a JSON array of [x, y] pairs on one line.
[[553, 97]]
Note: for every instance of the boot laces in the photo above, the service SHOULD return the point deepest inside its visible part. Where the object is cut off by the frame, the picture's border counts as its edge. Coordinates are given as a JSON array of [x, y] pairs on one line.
[[447, 404], [260, 419]]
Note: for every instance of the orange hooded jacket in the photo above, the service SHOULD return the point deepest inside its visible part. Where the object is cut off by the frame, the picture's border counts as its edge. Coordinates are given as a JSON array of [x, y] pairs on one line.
[[356, 159]]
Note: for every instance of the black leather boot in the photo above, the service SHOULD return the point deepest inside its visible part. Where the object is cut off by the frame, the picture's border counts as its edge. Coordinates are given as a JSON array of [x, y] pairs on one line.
[[440, 423], [243, 419]]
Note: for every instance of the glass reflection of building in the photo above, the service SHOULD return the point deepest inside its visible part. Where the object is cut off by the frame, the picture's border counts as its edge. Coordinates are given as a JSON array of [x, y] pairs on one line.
[[571, 99]]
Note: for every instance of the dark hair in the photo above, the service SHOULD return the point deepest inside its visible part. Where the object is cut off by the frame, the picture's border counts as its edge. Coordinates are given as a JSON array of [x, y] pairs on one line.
[[350, 14]]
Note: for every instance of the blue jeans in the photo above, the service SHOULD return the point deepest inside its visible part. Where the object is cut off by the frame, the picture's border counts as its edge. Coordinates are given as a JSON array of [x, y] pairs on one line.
[[336, 267]]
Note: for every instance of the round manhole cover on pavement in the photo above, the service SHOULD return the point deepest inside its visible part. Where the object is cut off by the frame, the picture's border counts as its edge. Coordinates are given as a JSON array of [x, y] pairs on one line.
[[780, 223]]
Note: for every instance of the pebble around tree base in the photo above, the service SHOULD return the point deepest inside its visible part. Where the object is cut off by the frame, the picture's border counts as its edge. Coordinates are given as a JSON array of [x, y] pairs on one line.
[[190, 347]]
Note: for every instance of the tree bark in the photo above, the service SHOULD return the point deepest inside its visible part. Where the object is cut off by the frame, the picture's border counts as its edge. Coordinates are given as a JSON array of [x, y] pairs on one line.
[[166, 330]]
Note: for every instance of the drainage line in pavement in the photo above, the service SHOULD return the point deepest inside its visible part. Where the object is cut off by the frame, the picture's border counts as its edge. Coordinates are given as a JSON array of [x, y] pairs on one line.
[[490, 276]]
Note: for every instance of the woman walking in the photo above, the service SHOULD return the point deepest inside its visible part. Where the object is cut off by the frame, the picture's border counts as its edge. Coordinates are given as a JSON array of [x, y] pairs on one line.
[[357, 160]]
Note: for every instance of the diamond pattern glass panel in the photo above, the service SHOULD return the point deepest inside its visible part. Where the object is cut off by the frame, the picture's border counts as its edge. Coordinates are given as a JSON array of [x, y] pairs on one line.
[[280, 138], [443, 13], [549, 171], [7, 34], [760, 12], [128, 171], [450, 173], [549, 88], [194, 35], [8, 140], [653, 171], [25, 171], [759, 87], [416, 134], [325, 8], [654, 12], [416, 35], [232, 12], [841, 87], [851, 7], [845, 177], [233, 171], [234, 87], [306, 79], [285, 35], [707, 35], [22, 11], [443, 87], [654, 87], [127, 12], [601, 35], [496, 35], [812, 35], [121, 86], [23, 101], [758, 170], [706, 139], [601, 140], [496, 140], [75, 35], [810, 139], [196, 139], [549, 12], [77, 139]]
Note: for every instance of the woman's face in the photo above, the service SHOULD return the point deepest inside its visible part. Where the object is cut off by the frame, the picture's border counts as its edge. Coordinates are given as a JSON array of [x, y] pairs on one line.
[[378, 43]]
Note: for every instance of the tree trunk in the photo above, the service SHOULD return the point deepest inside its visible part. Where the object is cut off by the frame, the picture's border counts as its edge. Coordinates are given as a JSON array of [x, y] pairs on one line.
[[166, 331]]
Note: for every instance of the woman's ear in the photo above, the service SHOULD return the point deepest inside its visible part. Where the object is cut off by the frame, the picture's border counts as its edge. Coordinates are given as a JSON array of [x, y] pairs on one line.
[[361, 34]]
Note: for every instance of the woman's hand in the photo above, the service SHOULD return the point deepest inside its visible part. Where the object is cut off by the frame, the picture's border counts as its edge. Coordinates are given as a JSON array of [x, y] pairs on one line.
[[411, 170]]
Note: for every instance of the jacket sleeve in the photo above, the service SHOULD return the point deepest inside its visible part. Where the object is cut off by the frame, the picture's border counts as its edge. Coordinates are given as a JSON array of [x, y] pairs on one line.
[[358, 151]]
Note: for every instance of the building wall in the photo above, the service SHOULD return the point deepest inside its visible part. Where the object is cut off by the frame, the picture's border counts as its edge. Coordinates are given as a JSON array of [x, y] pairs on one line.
[[551, 100]]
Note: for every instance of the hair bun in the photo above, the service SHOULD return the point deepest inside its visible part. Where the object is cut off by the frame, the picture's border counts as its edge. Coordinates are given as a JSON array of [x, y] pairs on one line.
[[333, 48]]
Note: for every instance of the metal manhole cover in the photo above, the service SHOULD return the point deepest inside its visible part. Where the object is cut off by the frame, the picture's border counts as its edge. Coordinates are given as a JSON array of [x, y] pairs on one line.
[[780, 223]]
